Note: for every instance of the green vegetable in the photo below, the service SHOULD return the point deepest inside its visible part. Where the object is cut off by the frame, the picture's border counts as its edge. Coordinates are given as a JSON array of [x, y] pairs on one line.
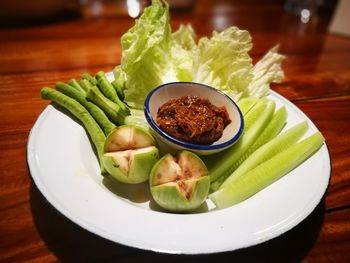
[[272, 129], [86, 85], [119, 82], [153, 55], [119, 89], [181, 183], [89, 78], [111, 109], [255, 121], [137, 118], [183, 49], [75, 84], [109, 91], [245, 104], [146, 50], [266, 173], [99, 116], [255, 113], [268, 150], [266, 71], [224, 63], [96, 134], [130, 154]]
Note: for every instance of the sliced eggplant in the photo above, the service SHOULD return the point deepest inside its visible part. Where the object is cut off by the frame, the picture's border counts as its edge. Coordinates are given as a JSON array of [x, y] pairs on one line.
[[179, 183], [129, 154]]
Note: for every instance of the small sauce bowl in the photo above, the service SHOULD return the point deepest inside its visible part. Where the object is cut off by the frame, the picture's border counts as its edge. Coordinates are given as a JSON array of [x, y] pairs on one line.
[[175, 90]]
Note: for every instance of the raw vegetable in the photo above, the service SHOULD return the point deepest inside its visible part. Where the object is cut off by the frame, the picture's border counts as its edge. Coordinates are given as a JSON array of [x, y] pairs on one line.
[[254, 123], [98, 114], [119, 89], [108, 90], [246, 104], [119, 82], [266, 71], [180, 183], [85, 84], [272, 129], [183, 49], [96, 134], [153, 55], [268, 150], [112, 110], [266, 173], [75, 84], [89, 78], [146, 50], [129, 154], [224, 63], [106, 87], [137, 118]]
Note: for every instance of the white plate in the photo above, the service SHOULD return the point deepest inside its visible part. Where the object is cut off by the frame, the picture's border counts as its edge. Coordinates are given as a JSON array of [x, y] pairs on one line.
[[65, 169]]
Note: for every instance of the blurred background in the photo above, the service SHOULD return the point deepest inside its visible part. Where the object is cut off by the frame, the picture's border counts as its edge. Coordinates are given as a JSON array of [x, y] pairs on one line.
[[62, 22], [222, 12]]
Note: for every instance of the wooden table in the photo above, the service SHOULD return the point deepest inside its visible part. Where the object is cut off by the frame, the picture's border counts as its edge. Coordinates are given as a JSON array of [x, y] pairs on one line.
[[317, 80]]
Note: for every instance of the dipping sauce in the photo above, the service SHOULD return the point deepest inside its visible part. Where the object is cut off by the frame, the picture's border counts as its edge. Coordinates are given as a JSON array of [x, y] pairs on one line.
[[193, 119]]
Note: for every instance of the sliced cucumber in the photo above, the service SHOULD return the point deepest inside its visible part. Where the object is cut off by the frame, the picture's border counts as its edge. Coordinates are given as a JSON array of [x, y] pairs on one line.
[[245, 104], [268, 150], [256, 112], [267, 172], [272, 130], [257, 119]]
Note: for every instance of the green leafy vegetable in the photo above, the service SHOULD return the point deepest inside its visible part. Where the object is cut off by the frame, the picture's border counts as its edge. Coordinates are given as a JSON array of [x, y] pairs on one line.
[[146, 50], [265, 71], [153, 55], [183, 50], [224, 63]]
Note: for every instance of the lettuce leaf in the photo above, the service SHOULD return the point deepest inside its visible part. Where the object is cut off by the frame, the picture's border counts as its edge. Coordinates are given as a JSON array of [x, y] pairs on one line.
[[224, 63], [182, 52], [153, 55], [266, 71], [145, 57]]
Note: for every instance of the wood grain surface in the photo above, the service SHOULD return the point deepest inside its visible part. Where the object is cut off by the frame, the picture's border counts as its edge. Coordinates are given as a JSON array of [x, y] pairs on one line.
[[34, 55]]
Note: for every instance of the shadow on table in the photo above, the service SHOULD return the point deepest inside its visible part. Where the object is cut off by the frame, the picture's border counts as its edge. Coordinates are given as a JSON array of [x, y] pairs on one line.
[[71, 243]]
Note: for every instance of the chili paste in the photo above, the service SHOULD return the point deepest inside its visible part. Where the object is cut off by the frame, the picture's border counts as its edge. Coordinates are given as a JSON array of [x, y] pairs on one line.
[[193, 119]]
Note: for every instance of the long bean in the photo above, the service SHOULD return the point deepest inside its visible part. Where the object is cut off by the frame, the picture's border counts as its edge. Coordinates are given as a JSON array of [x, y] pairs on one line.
[[75, 84], [85, 84], [119, 89], [89, 78], [98, 114], [109, 91], [95, 132], [112, 110]]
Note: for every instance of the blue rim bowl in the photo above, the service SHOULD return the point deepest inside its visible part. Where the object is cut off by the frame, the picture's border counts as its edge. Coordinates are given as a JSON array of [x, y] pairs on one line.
[[174, 90]]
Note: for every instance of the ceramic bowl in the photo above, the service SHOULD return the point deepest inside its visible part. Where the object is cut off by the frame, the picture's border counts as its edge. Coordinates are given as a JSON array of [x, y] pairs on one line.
[[175, 90]]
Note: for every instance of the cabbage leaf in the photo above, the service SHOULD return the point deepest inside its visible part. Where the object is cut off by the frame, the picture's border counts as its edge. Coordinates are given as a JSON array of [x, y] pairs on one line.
[[152, 55]]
